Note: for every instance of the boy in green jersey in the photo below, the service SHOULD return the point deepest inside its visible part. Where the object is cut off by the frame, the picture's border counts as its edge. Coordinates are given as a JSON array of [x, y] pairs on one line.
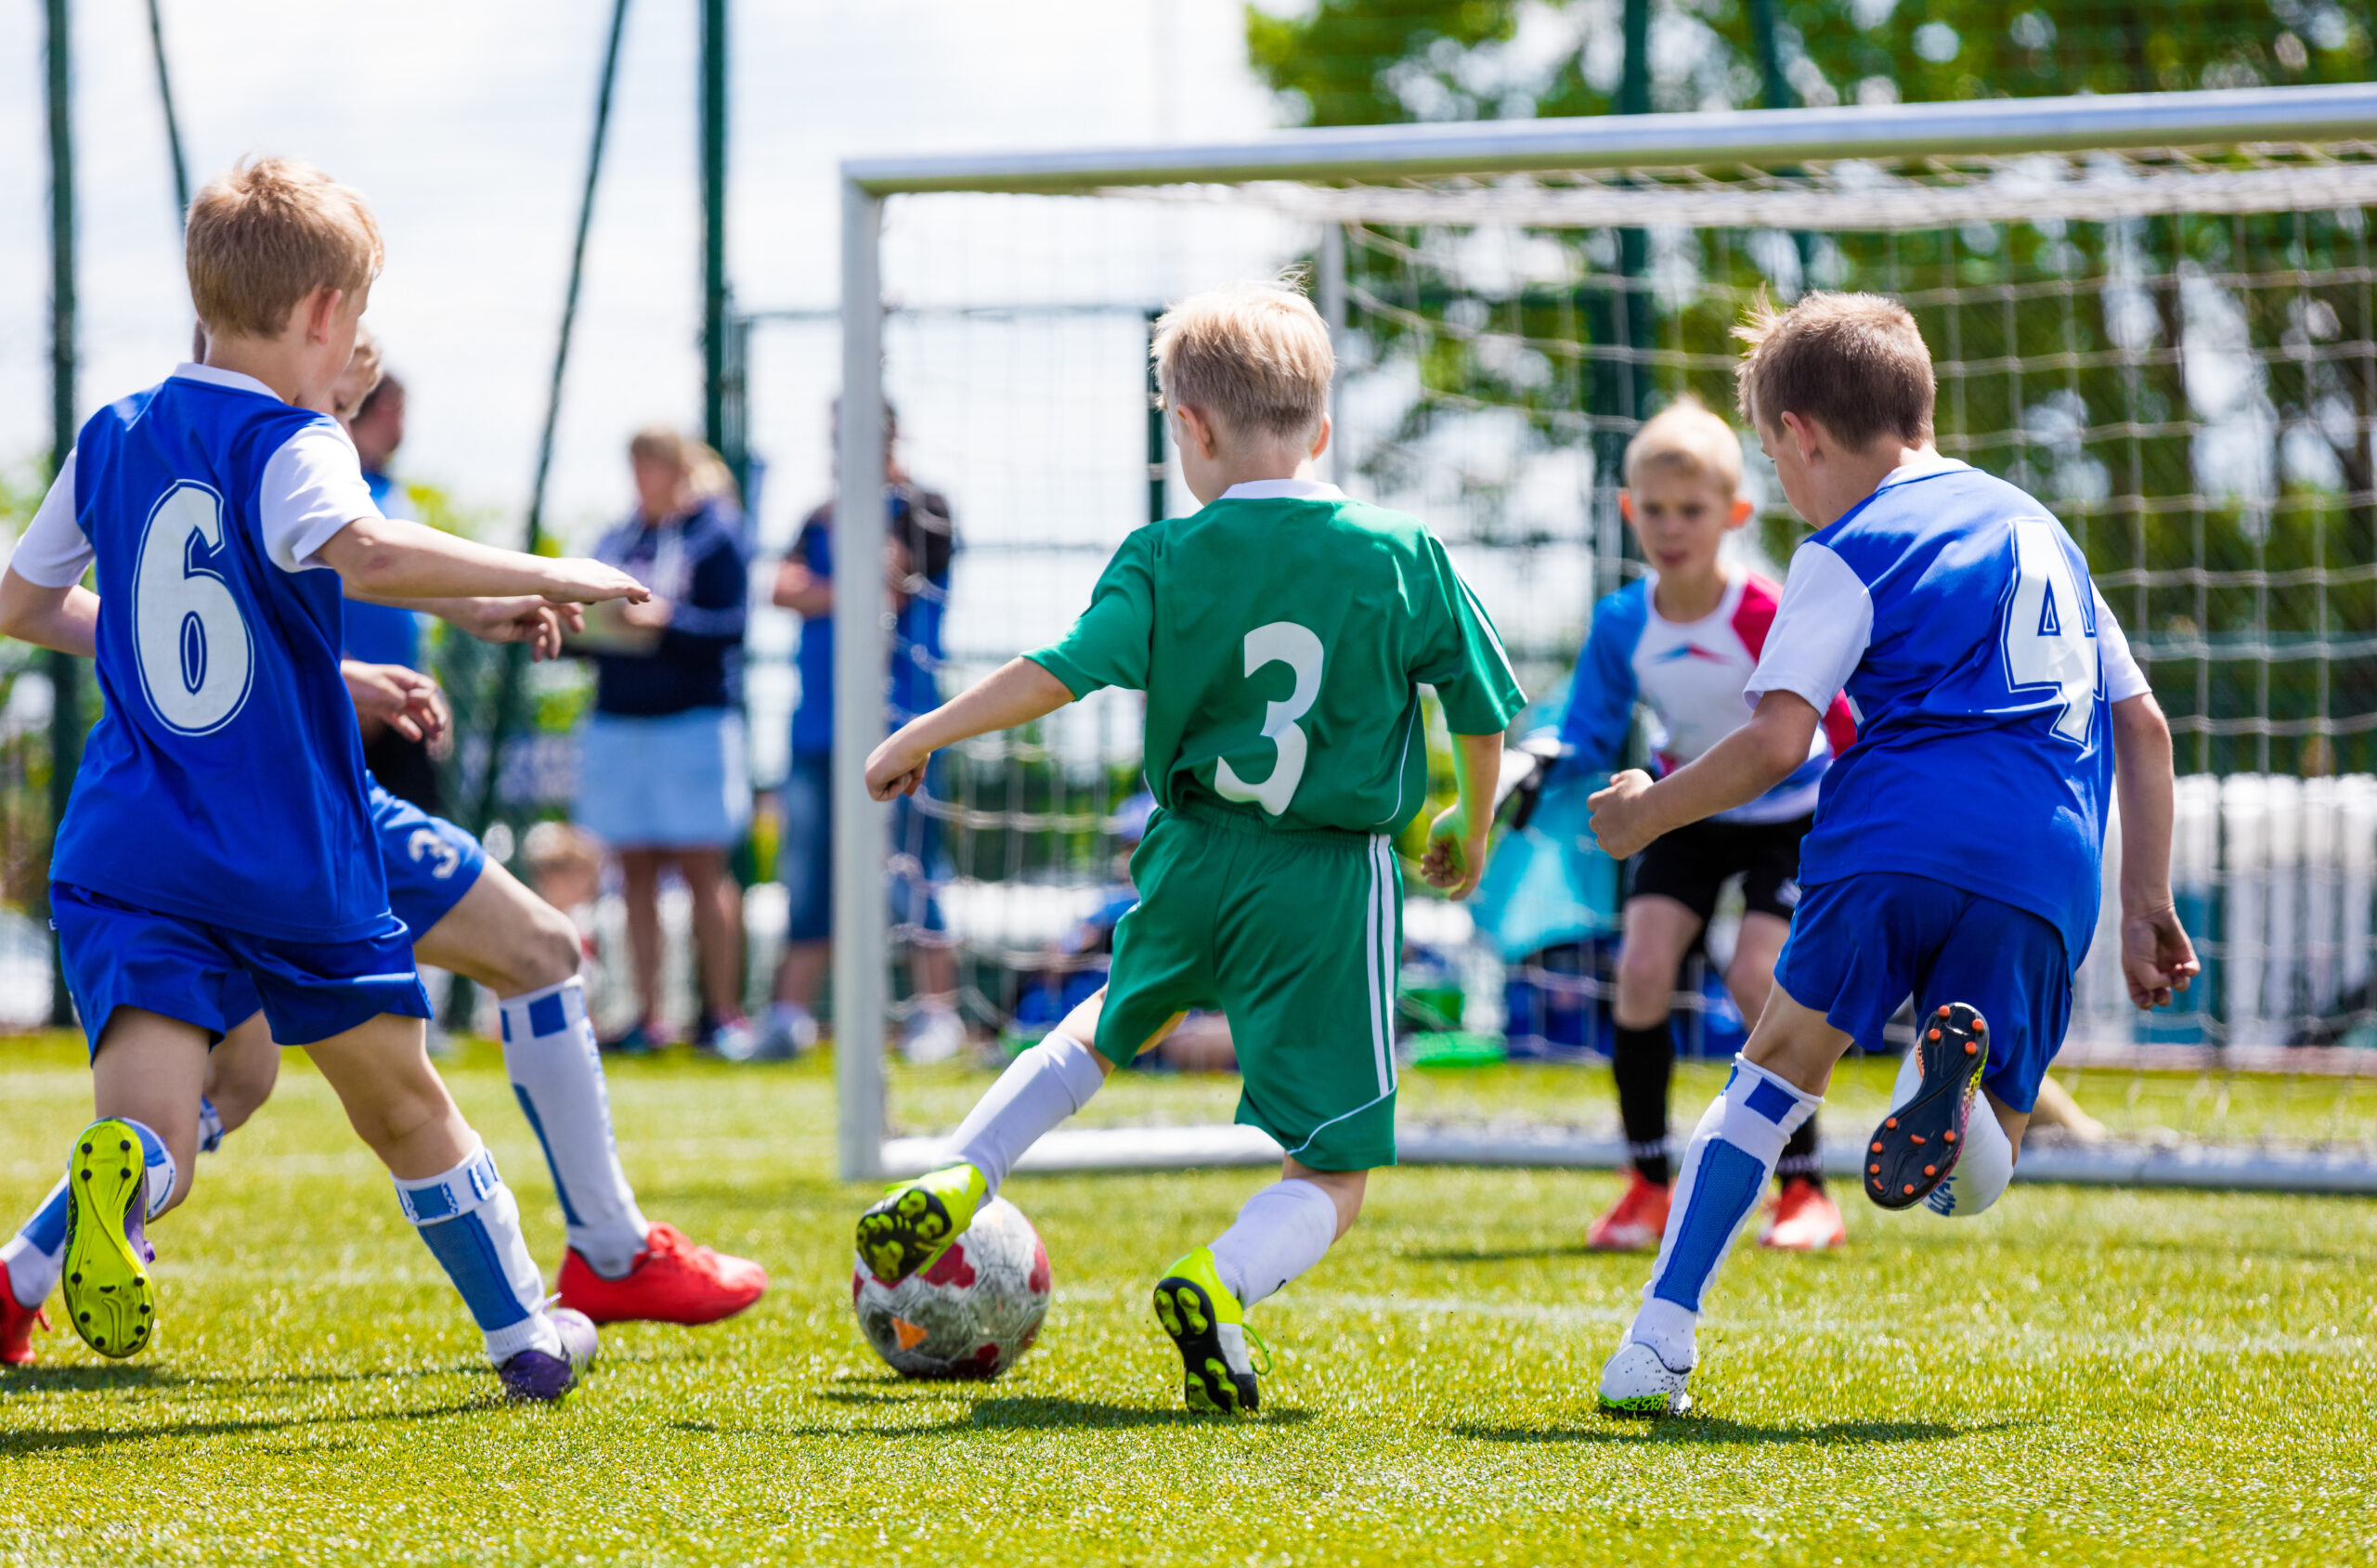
[[1281, 635]]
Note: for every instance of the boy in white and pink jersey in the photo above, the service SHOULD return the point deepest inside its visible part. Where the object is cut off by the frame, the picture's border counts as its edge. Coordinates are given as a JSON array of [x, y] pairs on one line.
[[1683, 640]]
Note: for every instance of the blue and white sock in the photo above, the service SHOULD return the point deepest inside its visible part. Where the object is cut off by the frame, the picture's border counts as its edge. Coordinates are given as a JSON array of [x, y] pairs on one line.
[[36, 1253], [1038, 1090], [557, 1075], [471, 1226], [211, 1131], [1726, 1165], [160, 1172]]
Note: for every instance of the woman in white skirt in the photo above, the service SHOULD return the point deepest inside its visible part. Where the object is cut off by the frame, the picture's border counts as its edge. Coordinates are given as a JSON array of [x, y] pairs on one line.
[[662, 776]]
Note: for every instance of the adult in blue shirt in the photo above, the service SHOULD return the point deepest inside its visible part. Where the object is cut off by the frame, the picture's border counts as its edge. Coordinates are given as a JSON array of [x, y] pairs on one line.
[[920, 542], [383, 634], [662, 774]]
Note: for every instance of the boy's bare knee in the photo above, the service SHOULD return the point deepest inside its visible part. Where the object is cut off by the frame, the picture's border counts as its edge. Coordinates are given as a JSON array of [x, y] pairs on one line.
[[1344, 1189], [1645, 987], [549, 951]]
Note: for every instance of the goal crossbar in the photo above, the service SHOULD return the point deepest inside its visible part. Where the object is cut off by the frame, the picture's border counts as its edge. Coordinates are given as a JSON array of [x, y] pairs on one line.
[[1998, 128]]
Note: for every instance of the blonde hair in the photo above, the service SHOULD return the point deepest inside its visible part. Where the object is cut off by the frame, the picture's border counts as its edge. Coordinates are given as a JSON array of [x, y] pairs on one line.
[[706, 473], [268, 234], [1856, 364], [551, 846], [1687, 437], [1254, 355], [362, 376]]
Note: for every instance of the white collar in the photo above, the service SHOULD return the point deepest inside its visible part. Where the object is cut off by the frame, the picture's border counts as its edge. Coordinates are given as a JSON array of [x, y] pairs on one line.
[[234, 380], [1921, 466], [1282, 490]]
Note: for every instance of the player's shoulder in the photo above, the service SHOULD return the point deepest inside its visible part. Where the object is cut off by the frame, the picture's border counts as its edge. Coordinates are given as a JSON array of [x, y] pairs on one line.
[[1623, 613], [1922, 511]]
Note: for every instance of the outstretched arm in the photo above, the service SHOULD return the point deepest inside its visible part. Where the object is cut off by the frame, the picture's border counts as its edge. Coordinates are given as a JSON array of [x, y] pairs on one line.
[[387, 558], [1735, 771], [1016, 693], [2156, 957], [66, 619], [1456, 856]]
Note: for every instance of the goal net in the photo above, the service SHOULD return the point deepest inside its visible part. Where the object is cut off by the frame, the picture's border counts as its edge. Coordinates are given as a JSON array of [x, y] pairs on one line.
[[2155, 313]]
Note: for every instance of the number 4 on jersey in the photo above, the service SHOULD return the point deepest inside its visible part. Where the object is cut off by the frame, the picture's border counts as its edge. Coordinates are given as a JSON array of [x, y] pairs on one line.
[[2050, 630]]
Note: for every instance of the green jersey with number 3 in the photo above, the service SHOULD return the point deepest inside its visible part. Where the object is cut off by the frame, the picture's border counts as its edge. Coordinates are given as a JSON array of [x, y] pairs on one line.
[[1281, 635]]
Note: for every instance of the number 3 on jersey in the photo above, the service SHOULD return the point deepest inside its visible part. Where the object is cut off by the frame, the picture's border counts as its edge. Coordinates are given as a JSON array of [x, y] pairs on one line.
[[2050, 636], [197, 660], [1295, 646]]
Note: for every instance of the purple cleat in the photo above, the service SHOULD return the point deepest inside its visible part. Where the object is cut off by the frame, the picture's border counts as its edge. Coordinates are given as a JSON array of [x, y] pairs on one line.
[[533, 1374]]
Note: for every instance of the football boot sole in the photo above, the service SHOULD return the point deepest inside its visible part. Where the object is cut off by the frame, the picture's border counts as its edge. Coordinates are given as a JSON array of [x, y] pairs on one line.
[[1917, 1146], [110, 1298], [904, 1232], [1187, 1313]]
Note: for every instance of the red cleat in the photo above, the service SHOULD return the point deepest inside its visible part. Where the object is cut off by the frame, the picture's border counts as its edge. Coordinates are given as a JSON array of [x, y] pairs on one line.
[[672, 1281], [16, 1325], [1805, 1219], [1634, 1222]]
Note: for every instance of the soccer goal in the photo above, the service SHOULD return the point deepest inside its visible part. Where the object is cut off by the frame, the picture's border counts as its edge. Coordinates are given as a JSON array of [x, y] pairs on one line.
[[2158, 313]]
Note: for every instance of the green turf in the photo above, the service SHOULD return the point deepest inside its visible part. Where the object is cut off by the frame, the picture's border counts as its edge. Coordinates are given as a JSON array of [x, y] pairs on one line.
[[2081, 1377]]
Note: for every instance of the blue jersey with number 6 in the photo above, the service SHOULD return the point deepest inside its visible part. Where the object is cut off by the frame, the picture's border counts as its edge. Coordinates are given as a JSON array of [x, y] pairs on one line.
[[224, 781], [1958, 615]]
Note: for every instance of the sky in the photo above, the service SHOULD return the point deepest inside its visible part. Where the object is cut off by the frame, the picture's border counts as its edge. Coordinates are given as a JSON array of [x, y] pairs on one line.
[[466, 126]]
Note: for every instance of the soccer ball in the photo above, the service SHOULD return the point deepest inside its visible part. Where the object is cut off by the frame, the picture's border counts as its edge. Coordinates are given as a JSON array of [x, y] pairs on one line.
[[972, 1314]]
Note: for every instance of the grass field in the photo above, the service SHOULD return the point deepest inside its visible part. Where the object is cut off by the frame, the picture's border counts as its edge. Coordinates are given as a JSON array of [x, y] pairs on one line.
[[2080, 1377]]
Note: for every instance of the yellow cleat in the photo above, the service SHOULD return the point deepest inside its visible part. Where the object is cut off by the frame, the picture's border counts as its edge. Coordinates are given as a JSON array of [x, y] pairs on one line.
[[110, 1298], [1208, 1326], [914, 1222]]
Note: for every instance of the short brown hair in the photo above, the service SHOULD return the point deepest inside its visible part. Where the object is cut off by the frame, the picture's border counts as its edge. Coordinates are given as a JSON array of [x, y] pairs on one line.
[[266, 235], [1856, 364], [1687, 435], [1257, 355]]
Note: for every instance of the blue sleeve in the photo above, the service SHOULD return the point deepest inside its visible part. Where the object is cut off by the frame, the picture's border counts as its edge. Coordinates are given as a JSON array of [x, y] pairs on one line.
[[714, 607], [1601, 695]]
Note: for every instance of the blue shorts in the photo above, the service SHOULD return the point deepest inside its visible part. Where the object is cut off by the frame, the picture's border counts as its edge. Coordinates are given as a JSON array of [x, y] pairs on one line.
[[805, 860], [1862, 945], [429, 862], [121, 955], [674, 781]]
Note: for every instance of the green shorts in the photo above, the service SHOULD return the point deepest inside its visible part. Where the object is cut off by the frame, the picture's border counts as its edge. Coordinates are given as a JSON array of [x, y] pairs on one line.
[[1296, 937]]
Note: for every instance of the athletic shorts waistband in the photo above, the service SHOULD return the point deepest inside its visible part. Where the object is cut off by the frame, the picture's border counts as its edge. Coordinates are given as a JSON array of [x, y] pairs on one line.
[[1239, 822]]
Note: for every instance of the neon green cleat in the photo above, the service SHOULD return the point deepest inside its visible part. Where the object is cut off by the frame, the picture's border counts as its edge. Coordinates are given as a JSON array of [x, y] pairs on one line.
[[1207, 1324], [110, 1298], [914, 1222]]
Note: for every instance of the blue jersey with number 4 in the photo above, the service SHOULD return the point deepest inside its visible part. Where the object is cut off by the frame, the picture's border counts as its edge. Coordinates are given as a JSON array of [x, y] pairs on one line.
[[224, 781], [1960, 616]]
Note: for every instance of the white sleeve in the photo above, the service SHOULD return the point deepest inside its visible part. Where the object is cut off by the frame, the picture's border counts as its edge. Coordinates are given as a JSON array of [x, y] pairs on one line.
[[54, 551], [312, 488], [1820, 630], [2123, 679]]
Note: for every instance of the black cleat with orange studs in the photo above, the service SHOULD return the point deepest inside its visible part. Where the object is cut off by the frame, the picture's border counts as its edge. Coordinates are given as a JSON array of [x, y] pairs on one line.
[[1916, 1145]]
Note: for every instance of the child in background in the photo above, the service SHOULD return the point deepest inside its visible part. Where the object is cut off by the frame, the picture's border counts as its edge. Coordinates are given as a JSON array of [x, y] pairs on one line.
[[1281, 635], [217, 845], [1682, 638], [1957, 854]]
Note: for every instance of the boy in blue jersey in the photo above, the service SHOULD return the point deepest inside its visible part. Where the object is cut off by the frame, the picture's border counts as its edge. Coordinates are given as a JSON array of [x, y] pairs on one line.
[[217, 843], [1956, 852]]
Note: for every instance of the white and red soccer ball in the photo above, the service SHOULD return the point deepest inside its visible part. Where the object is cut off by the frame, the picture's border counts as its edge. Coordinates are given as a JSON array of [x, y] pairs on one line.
[[972, 1314]]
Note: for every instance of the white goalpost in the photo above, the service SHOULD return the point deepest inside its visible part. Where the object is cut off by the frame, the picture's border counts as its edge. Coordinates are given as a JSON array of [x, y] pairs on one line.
[[2158, 312]]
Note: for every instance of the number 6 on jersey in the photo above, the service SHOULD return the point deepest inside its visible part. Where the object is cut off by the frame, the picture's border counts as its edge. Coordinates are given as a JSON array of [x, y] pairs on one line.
[[1295, 646], [196, 657]]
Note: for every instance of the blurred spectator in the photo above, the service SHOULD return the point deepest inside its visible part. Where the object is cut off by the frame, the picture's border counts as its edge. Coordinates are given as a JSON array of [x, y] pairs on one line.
[[919, 543], [662, 773], [382, 633], [566, 869]]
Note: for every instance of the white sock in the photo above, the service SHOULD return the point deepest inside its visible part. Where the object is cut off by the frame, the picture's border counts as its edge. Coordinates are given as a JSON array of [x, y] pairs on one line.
[[1986, 1166], [37, 1251], [1039, 1089], [1726, 1165], [1282, 1231], [557, 1076], [161, 1168], [471, 1226]]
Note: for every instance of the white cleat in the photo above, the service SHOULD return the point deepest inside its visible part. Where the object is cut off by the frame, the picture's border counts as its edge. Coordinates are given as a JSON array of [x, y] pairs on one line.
[[1636, 1382]]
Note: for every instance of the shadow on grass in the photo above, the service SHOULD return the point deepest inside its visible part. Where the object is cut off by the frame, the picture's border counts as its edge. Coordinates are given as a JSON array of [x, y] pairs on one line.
[[84, 1378], [63, 1438], [1040, 1412], [1686, 1430]]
